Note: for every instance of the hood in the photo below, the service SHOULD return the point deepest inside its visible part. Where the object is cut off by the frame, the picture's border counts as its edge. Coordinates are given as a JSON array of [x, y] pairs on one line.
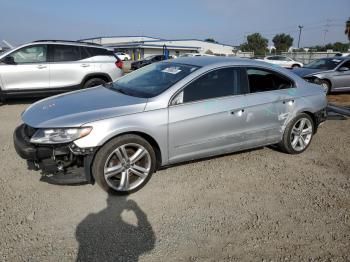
[[80, 107], [306, 71]]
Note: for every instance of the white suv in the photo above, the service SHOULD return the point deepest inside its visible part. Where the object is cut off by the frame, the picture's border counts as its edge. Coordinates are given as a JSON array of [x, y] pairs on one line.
[[48, 67]]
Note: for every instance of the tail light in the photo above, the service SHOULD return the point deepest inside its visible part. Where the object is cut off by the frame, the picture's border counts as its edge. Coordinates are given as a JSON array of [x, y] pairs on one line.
[[119, 64]]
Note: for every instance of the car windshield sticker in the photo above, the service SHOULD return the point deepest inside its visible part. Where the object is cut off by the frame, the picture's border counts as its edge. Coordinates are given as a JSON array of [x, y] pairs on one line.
[[172, 70]]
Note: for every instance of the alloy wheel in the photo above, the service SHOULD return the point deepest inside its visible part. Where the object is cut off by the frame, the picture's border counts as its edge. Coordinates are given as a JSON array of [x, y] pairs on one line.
[[301, 134], [127, 167]]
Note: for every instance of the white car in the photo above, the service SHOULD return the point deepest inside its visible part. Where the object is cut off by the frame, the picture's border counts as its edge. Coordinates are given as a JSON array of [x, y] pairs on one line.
[[282, 61], [123, 56], [47, 67]]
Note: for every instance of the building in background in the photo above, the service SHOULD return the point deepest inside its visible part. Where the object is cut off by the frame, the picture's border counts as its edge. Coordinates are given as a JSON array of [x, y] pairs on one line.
[[139, 47]]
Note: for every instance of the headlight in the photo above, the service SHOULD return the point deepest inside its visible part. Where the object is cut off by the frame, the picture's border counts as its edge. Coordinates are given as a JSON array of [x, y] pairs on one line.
[[59, 135]]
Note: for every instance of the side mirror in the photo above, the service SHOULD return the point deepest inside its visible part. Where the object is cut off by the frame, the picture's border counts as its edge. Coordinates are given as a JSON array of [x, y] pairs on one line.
[[9, 60], [343, 68]]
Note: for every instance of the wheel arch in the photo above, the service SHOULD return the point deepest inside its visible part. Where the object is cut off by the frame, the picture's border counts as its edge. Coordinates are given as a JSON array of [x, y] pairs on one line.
[[145, 136], [103, 76]]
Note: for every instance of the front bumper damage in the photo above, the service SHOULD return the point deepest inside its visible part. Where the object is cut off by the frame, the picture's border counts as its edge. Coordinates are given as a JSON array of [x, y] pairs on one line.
[[61, 163]]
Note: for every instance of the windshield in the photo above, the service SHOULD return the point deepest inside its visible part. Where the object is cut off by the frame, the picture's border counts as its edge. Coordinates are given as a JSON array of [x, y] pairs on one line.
[[152, 80], [326, 63]]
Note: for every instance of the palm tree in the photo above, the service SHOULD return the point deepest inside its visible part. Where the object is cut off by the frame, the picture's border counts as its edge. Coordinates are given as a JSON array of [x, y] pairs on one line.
[[347, 28]]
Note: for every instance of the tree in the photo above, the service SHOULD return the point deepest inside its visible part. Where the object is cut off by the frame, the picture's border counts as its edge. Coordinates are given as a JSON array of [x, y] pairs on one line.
[[255, 42], [211, 40], [282, 42], [347, 28]]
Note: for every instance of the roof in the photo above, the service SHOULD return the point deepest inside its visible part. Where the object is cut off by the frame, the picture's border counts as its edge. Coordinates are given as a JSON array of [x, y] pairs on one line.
[[93, 38], [157, 39], [188, 39], [142, 45]]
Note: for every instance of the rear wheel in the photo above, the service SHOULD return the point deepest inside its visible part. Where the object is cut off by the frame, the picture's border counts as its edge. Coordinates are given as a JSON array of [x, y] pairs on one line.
[[124, 165], [94, 82], [295, 66], [297, 135]]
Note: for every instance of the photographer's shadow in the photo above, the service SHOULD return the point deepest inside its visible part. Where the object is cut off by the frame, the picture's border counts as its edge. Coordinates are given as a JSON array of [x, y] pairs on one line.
[[105, 236]]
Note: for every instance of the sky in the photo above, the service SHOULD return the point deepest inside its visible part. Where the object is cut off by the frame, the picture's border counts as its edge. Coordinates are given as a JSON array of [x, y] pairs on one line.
[[227, 21]]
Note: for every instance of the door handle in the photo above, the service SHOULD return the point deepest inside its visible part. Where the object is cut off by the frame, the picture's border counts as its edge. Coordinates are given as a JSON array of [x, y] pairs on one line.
[[237, 112], [84, 65], [291, 101], [41, 66]]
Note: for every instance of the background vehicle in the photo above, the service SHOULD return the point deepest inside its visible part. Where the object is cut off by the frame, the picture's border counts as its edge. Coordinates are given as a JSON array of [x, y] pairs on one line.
[[333, 74], [147, 61], [169, 112], [52, 66], [282, 61], [123, 56]]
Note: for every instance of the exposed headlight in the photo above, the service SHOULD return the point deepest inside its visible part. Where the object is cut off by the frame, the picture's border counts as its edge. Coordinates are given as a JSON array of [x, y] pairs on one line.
[[59, 135]]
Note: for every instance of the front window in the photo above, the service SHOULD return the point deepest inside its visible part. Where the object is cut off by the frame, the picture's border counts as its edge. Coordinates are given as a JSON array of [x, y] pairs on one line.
[[30, 54], [152, 80], [326, 64]]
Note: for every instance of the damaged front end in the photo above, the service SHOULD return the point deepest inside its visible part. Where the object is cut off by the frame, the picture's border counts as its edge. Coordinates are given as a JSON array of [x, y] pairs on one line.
[[54, 153]]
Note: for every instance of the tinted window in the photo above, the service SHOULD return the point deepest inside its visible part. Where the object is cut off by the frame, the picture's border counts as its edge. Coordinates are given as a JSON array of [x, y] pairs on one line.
[[263, 80], [30, 54], [218, 83], [153, 79], [346, 64], [272, 58], [62, 53], [100, 51]]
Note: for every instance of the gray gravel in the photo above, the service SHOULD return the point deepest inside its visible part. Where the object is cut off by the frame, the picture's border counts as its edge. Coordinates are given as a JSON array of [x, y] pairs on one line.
[[256, 205]]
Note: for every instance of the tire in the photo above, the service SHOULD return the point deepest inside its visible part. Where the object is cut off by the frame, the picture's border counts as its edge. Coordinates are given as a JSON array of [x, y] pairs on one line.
[[326, 85], [94, 82], [293, 133], [124, 178], [295, 66]]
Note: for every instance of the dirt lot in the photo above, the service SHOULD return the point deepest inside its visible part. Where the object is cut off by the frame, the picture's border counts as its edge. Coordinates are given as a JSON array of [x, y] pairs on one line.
[[259, 205]]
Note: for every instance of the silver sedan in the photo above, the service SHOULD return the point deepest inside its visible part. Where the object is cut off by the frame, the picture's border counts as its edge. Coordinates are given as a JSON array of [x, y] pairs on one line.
[[333, 74], [166, 113]]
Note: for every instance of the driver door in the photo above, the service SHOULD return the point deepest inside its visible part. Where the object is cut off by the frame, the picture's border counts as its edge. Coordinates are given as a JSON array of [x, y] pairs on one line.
[[31, 69], [341, 79]]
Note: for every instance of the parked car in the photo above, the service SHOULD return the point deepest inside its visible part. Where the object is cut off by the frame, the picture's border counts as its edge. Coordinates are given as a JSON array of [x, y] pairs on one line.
[[51, 66], [333, 74], [166, 113], [147, 61], [123, 56], [282, 61]]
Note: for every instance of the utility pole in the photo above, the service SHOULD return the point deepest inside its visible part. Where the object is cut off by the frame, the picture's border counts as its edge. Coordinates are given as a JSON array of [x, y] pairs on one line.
[[300, 28], [325, 31]]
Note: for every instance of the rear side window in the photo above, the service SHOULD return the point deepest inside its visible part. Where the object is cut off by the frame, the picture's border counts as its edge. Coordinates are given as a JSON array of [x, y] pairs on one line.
[[217, 83], [261, 80], [65, 53], [99, 51]]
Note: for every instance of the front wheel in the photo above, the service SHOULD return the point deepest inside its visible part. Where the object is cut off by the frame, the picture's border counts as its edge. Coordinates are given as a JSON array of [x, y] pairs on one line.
[[295, 66], [124, 165], [326, 86], [297, 135]]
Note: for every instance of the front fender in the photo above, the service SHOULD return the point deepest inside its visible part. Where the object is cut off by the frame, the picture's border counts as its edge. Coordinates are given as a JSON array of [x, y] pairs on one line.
[[151, 123]]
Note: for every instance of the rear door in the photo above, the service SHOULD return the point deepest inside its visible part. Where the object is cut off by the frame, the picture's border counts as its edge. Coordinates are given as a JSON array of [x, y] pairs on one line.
[[268, 105], [206, 117], [30, 72], [69, 64]]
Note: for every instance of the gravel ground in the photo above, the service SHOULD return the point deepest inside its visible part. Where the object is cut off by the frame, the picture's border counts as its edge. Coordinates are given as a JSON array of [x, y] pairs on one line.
[[259, 205]]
